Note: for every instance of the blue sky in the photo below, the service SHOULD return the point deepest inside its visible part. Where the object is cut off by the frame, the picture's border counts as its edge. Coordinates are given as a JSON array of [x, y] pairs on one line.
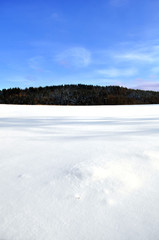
[[100, 42]]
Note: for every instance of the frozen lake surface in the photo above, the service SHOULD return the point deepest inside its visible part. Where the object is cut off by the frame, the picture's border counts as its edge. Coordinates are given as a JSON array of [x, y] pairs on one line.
[[79, 173]]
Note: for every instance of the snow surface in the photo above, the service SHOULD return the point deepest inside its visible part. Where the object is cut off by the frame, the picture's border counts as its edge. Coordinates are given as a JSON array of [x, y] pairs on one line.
[[79, 173]]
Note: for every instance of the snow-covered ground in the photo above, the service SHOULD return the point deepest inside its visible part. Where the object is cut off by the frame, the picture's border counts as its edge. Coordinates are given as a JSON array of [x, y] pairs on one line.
[[79, 173]]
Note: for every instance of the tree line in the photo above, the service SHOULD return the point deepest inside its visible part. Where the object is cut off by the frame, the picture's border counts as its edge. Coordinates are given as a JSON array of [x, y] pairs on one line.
[[78, 95]]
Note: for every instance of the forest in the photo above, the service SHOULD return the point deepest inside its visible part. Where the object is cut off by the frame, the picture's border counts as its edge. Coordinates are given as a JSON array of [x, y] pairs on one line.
[[78, 95]]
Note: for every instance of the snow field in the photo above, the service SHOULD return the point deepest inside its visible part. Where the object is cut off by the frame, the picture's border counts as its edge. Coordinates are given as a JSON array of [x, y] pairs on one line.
[[71, 173]]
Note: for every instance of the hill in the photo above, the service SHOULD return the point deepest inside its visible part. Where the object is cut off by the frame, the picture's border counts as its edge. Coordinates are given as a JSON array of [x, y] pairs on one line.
[[78, 95]]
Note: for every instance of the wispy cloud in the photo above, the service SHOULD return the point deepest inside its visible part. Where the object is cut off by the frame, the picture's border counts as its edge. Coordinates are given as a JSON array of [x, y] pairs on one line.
[[56, 17], [115, 72], [36, 63], [136, 56], [155, 69], [148, 53], [146, 85], [118, 3], [42, 44], [74, 57], [29, 79]]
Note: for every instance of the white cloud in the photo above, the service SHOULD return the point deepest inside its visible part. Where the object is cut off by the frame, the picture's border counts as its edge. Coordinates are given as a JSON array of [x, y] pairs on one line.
[[115, 72], [77, 57]]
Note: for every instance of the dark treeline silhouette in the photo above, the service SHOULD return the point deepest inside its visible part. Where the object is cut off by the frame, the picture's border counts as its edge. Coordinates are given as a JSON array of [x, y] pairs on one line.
[[78, 95]]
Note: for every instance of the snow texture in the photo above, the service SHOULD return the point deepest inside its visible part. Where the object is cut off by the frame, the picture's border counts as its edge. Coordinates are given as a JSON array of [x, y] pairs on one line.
[[85, 173]]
